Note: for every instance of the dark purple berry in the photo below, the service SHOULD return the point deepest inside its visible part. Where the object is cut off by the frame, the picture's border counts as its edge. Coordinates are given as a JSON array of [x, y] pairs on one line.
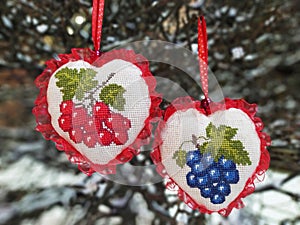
[[191, 179], [231, 176], [223, 188], [207, 192], [212, 178], [214, 174], [226, 163], [217, 198], [203, 181], [193, 157], [207, 159], [198, 168]]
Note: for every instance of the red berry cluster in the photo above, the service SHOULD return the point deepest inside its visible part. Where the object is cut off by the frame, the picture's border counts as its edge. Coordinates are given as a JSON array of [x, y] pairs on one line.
[[103, 127]]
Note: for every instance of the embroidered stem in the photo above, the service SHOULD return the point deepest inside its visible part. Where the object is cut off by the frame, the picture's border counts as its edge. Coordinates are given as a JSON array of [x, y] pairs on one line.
[[97, 20], [91, 93], [193, 141], [181, 154]]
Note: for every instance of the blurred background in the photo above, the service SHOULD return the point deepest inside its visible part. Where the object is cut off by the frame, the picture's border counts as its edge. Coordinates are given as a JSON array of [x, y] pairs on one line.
[[253, 52]]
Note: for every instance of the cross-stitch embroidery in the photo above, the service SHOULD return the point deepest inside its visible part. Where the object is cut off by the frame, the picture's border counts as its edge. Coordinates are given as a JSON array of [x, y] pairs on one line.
[[213, 163], [100, 126]]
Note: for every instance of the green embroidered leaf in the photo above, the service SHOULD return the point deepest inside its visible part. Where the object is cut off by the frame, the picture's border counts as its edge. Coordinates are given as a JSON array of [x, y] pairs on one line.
[[209, 130], [87, 83], [229, 132], [73, 82], [221, 143], [112, 94], [180, 157]]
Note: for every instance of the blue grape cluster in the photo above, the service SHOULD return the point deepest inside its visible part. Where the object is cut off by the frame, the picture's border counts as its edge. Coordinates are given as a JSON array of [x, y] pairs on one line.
[[211, 177]]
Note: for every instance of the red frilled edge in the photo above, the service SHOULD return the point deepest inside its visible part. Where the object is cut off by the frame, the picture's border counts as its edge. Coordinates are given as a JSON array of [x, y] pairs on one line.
[[186, 103], [43, 117]]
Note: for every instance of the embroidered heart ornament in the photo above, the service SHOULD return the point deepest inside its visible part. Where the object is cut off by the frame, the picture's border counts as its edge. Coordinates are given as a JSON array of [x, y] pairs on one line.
[[97, 109], [211, 156]]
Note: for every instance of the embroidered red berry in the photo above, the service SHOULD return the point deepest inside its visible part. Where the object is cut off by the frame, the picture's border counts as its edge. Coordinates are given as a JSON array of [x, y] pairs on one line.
[[90, 139], [90, 126], [105, 137], [76, 135], [115, 122], [101, 110], [79, 116], [98, 124], [120, 138], [65, 122], [66, 107], [126, 122]]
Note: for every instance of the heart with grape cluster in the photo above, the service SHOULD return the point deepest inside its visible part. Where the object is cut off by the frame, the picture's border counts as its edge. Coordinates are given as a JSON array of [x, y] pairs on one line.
[[211, 155], [97, 109]]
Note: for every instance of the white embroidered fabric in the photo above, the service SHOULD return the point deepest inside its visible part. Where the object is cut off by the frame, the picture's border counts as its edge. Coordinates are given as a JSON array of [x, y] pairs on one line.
[[183, 124], [136, 109]]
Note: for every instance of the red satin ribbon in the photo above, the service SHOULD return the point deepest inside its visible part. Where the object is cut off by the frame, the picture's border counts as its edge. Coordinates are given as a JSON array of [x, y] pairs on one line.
[[203, 55], [97, 20]]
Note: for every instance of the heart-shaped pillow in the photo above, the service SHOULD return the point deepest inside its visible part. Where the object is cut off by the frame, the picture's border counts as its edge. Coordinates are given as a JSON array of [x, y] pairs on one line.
[[97, 109], [211, 156]]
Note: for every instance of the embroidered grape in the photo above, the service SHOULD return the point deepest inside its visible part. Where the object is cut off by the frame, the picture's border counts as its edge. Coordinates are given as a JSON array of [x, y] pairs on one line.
[[214, 173], [203, 181], [191, 179], [231, 176], [103, 127], [227, 164], [212, 178], [223, 188], [192, 157], [217, 198], [206, 192]]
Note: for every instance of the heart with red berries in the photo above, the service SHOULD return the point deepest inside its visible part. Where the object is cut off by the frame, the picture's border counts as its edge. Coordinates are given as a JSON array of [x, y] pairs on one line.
[[211, 154], [98, 109]]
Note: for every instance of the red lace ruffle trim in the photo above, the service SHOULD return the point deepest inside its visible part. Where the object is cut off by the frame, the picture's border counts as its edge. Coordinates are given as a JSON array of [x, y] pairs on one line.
[[43, 117], [186, 103]]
